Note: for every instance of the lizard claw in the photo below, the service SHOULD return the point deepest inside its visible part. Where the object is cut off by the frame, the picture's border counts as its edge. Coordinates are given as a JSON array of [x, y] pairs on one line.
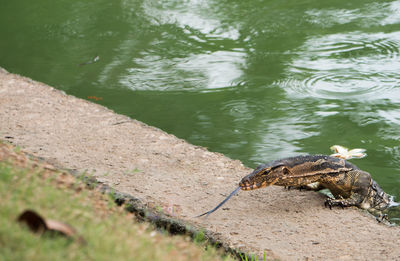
[[333, 202], [382, 217], [328, 202]]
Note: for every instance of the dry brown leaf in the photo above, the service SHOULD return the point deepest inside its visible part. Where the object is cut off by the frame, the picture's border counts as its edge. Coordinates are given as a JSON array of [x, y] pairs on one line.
[[34, 221], [39, 225]]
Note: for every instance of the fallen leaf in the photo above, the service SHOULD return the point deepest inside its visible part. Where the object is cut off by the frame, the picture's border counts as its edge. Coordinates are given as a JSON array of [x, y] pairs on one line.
[[35, 222], [39, 225]]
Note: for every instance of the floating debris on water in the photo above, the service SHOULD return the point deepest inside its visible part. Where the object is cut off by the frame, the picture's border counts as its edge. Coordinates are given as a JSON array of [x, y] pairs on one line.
[[345, 153], [95, 59]]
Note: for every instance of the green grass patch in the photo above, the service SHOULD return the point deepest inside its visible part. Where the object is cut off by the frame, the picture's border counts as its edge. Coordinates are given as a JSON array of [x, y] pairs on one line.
[[110, 232]]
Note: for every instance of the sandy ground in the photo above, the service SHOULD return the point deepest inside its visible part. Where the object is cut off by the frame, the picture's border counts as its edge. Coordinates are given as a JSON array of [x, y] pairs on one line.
[[185, 180]]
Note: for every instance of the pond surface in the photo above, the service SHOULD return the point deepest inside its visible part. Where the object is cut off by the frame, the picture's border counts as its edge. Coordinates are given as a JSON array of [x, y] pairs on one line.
[[256, 80]]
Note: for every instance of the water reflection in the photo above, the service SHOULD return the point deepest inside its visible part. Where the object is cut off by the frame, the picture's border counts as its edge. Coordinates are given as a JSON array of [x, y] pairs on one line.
[[282, 138], [200, 72], [194, 14], [192, 67], [392, 13]]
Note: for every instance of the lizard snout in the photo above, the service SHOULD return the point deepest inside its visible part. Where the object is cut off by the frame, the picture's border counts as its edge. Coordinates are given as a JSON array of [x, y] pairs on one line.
[[246, 184], [255, 179]]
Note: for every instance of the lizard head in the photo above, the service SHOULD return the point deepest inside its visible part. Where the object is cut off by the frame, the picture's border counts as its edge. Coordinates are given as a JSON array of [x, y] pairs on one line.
[[262, 176]]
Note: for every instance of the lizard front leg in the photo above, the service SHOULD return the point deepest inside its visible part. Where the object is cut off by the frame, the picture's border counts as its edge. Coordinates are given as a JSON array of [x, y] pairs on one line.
[[315, 186]]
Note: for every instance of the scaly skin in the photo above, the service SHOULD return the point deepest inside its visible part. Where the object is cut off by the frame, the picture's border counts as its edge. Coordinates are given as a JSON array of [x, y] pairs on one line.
[[349, 185]]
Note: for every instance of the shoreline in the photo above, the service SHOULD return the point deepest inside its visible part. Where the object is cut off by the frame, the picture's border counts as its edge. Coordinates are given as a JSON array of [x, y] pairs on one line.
[[162, 171]]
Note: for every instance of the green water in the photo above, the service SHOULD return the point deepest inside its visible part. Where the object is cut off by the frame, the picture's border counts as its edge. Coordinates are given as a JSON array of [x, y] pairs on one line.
[[256, 80]]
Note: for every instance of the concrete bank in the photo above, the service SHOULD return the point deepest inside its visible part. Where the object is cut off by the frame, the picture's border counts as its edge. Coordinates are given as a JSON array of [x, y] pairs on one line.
[[184, 180]]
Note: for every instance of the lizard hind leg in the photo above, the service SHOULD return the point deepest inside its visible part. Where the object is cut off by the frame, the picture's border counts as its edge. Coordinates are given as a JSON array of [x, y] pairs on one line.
[[357, 183], [354, 200]]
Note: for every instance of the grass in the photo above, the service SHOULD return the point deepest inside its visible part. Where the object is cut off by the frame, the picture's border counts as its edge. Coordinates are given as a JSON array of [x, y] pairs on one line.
[[253, 257], [110, 232], [133, 171]]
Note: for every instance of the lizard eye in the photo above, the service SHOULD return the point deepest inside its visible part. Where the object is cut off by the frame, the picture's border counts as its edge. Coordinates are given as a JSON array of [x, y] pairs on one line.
[[285, 170]]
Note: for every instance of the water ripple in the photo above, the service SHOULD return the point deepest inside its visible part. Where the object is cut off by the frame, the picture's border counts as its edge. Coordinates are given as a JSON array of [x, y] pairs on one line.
[[339, 66], [335, 85], [348, 48]]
